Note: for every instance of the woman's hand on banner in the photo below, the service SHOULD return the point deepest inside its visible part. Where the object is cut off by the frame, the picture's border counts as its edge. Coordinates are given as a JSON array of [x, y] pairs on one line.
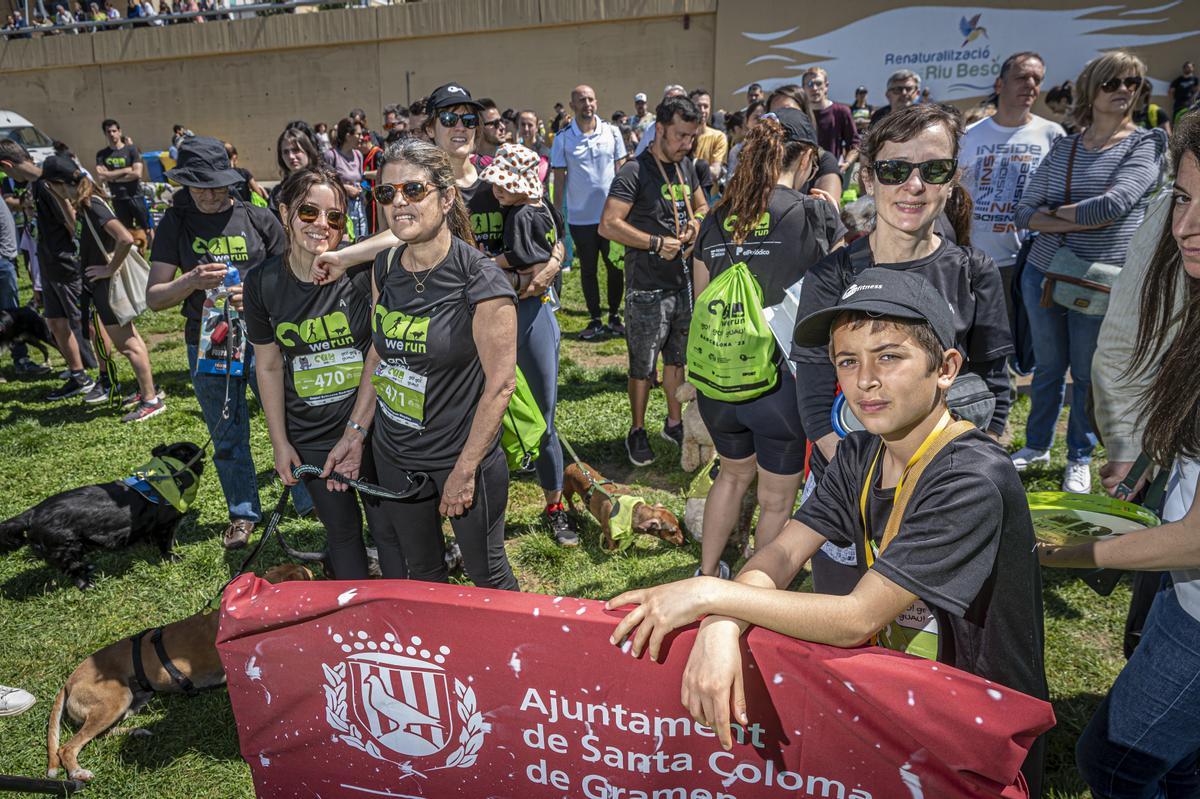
[[713, 690], [661, 610]]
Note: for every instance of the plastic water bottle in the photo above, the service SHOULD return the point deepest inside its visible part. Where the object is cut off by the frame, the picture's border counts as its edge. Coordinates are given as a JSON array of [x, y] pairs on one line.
[[219, 296]]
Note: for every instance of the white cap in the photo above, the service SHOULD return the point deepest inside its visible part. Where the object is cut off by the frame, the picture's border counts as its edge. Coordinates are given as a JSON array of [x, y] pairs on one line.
[[640, 97]]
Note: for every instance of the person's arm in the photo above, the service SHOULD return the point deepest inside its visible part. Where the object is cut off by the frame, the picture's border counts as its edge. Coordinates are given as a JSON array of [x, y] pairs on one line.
[[494, 329], [614, 228], [830, 187], [257, 188], [545, 272], [995, 375], [1137, 174], [560, 187], [268, 368], [699, 277], [122, 244], [330, 266]]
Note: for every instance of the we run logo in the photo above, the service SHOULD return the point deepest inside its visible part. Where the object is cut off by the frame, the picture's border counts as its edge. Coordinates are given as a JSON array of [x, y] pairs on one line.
[[405, 334], [233, 247], [333, 327]]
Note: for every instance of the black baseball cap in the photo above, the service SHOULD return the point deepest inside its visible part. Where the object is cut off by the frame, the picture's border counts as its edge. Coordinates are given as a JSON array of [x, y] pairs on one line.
[[60, 169], [861, 90], [449, 95], [797, 125], [203, 164], [883, 292]]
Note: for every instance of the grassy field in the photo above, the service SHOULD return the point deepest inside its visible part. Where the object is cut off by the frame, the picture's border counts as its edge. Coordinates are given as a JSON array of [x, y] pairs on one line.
[[48, 626]]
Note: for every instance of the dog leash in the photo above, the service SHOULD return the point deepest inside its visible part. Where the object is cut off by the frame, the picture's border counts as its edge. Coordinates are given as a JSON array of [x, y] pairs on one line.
[[596, 485], [415, 485]]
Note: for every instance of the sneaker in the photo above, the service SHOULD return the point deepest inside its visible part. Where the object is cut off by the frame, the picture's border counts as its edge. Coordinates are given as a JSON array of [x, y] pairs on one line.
[[72, 386], [615, 327], [144, 410], [14, 701], [27, 368], [723, 572], [673, 433], [238, 533], [101, 393], [593, 331], [637, 447], [1077, 478], [1025, 457], [136, 397], [562, 526]]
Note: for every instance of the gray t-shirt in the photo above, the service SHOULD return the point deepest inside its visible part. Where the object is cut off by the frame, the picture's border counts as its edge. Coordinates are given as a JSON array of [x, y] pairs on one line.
[[8, 234]]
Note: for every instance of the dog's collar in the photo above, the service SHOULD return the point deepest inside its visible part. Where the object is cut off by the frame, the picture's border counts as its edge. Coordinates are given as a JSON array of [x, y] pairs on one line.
[[620, 521], [165, 479]]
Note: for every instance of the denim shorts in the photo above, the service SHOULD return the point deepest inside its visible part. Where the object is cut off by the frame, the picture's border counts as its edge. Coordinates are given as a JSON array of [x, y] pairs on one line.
[[656, 321]]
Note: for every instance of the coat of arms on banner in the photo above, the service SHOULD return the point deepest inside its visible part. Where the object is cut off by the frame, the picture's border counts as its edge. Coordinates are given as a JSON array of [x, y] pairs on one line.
[[393, 700]]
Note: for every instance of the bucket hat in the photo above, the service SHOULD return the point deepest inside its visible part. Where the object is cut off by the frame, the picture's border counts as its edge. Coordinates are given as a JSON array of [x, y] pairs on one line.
[[515, 168], [203, 164]]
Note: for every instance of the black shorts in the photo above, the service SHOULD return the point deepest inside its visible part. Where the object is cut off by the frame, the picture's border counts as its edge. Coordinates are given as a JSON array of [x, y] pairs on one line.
[[656, 321], [62, 298], [99, 291], [767, 426], [132, 212]]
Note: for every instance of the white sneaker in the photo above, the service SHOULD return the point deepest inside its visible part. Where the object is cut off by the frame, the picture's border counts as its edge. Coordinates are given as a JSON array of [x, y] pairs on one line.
[[1026, 456], [723, 572], [14, 701], [1077, 478]]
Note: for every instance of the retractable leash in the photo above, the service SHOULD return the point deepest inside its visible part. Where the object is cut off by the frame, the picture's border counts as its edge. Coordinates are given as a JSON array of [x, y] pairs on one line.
[[35, 785]]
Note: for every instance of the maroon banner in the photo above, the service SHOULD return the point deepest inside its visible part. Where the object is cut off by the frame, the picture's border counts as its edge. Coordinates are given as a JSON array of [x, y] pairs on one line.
[[409, 689]]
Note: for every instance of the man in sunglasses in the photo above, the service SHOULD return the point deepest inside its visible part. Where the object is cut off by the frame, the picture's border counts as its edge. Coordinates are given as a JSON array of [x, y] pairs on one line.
[[903, 88], [491, 133]]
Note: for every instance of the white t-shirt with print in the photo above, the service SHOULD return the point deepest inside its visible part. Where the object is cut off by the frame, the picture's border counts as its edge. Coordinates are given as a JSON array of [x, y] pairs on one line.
[[1181, 490]]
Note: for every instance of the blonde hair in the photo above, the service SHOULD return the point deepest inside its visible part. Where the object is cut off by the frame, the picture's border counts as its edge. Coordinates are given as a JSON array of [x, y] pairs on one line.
[[1100, 70], [86, 190]]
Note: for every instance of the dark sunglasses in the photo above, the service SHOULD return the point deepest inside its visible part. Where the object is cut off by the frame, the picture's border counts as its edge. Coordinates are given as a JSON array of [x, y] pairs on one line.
[[1132, 83], [495, 123], [414, 191], [310, 213], [449, 119], [936, 171]]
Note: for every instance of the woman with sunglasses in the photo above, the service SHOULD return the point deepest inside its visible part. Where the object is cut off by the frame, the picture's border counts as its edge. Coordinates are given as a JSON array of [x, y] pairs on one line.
[[910, 169], [442, 368], [310, 344], [346, 159], [293, 150], [787, 232], [1111, 169]]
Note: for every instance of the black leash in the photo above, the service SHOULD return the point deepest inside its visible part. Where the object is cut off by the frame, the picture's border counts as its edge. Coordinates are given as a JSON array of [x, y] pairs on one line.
[[34, 785]]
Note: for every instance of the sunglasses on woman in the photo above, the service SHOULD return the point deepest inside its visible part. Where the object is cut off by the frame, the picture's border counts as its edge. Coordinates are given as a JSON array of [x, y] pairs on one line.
[[1131, 83], [936, 171], [310, 213], [414, 191], [449, 119]]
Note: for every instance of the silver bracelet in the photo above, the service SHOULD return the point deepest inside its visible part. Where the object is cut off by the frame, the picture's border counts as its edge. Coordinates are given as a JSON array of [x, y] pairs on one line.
[[358, 428]]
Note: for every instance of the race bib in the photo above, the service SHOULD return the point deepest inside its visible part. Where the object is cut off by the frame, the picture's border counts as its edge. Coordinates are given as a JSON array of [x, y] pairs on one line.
[[325, 377], [914, 631], [401, 394]]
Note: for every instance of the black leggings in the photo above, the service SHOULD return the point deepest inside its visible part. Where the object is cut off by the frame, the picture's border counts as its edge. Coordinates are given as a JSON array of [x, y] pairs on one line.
[[340, 515], [588, 246], [412, 529]]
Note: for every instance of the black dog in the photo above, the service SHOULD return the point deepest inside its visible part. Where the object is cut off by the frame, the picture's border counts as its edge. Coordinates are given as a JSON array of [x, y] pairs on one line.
[[25, 325], [63, 527]]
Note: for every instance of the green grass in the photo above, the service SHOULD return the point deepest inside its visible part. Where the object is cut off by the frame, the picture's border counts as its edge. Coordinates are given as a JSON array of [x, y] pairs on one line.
[[48, 626]]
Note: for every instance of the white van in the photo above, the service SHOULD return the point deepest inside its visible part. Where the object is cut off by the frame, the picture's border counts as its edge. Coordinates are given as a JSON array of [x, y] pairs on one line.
[[21, 130]]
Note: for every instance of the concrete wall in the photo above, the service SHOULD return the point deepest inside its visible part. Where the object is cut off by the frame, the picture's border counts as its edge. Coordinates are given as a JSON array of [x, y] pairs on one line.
[[243, 80]]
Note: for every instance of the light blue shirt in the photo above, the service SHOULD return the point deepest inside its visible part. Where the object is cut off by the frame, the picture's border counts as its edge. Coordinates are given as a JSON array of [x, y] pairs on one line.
[[590, 160]]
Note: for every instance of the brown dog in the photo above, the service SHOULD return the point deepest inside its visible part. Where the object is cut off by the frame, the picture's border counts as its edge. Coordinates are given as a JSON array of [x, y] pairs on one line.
[[649, 519], [104, 690]]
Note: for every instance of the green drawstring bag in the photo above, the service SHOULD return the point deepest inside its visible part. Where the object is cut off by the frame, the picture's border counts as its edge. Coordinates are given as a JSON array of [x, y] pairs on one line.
[[522, 427], [731, 350]]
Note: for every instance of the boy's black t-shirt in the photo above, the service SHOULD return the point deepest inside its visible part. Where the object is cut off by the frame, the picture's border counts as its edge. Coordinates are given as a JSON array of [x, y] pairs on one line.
[[487, 216], [242, 236], [323, 333], [91, 252], [795, 232], [120, 158], [530, 232], [640, 183], [430, 378], [965, 548], [58, 256]]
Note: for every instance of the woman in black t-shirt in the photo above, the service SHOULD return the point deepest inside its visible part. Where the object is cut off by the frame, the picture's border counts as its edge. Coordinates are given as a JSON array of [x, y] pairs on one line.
[[309, 345], [778, 233], [442, 368]]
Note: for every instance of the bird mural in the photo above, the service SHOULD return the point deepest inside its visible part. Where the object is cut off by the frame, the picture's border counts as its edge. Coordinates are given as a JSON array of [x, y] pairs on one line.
[[971, 29]]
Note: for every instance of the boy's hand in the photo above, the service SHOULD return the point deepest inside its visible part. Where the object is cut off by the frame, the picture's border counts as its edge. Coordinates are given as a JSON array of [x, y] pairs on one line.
[[712, 690]]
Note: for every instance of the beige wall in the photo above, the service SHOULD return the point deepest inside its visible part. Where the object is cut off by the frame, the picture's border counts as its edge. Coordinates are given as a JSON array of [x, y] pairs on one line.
[[243, 80]]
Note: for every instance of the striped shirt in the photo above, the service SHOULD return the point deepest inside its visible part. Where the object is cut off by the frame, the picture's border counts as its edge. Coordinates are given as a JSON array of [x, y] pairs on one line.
[[1111, 188]]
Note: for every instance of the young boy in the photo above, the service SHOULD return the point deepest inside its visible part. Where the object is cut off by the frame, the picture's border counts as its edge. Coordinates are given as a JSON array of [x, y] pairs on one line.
[[959, 583]]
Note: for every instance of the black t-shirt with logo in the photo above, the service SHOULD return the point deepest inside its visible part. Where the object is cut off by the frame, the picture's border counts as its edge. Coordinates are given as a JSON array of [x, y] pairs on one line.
[[487, 216], [430, 379], [323, 333], [120, 158], [791, 236], [654, 211], [58, 254], [530, 232], [1185, 89], [92, 253], [242, 236]]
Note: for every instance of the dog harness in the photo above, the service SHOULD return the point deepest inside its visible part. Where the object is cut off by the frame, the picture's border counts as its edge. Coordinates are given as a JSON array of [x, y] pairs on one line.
[[165, 480], [139, 670]]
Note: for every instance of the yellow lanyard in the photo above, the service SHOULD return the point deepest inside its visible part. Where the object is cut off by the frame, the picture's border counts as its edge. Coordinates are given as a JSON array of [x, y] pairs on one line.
[[862, 499]]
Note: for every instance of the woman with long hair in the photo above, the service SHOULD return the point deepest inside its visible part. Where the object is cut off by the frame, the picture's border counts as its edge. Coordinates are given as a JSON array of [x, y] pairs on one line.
[[1143, 740], [294, 149], [1088, 195], [788, 232], [442, 367], [310, 343], [346, 159], [910, 169]]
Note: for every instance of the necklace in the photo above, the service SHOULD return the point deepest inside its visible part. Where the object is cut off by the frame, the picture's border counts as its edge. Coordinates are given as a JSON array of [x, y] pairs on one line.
[[420, 284]]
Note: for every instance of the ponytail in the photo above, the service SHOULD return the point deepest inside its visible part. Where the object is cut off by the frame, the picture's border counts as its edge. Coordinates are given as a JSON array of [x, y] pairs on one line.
[[958, 209], [763, 159]]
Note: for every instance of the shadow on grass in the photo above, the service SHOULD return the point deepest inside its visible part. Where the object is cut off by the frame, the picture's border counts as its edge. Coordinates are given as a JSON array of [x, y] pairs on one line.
[[1072, 715], [203, 723]]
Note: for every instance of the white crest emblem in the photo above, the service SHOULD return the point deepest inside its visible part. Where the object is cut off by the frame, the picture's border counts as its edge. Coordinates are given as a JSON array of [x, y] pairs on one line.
[[391, 699], [855, 288]]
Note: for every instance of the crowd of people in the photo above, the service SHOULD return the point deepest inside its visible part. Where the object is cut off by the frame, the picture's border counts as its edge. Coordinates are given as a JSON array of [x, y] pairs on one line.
[[66, 17], [397, 288]]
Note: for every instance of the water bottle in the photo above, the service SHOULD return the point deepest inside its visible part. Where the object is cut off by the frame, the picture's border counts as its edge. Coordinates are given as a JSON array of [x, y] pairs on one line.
[[219, 297]]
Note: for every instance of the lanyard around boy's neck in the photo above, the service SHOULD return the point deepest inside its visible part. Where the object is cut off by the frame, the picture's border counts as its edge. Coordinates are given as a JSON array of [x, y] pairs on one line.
[[687, 196], [866, 489]]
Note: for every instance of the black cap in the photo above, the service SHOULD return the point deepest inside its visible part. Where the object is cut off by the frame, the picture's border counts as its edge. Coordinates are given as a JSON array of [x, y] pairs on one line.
[[883, 292], [861, 90], [797, 125], [60, 169], [446, 96], [203, 164]]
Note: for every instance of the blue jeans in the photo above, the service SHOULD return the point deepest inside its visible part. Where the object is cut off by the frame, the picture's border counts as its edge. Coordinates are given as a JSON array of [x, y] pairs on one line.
[[1061, 339], [538, 340], [11, 298], [231, 439], [1144, 741]]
